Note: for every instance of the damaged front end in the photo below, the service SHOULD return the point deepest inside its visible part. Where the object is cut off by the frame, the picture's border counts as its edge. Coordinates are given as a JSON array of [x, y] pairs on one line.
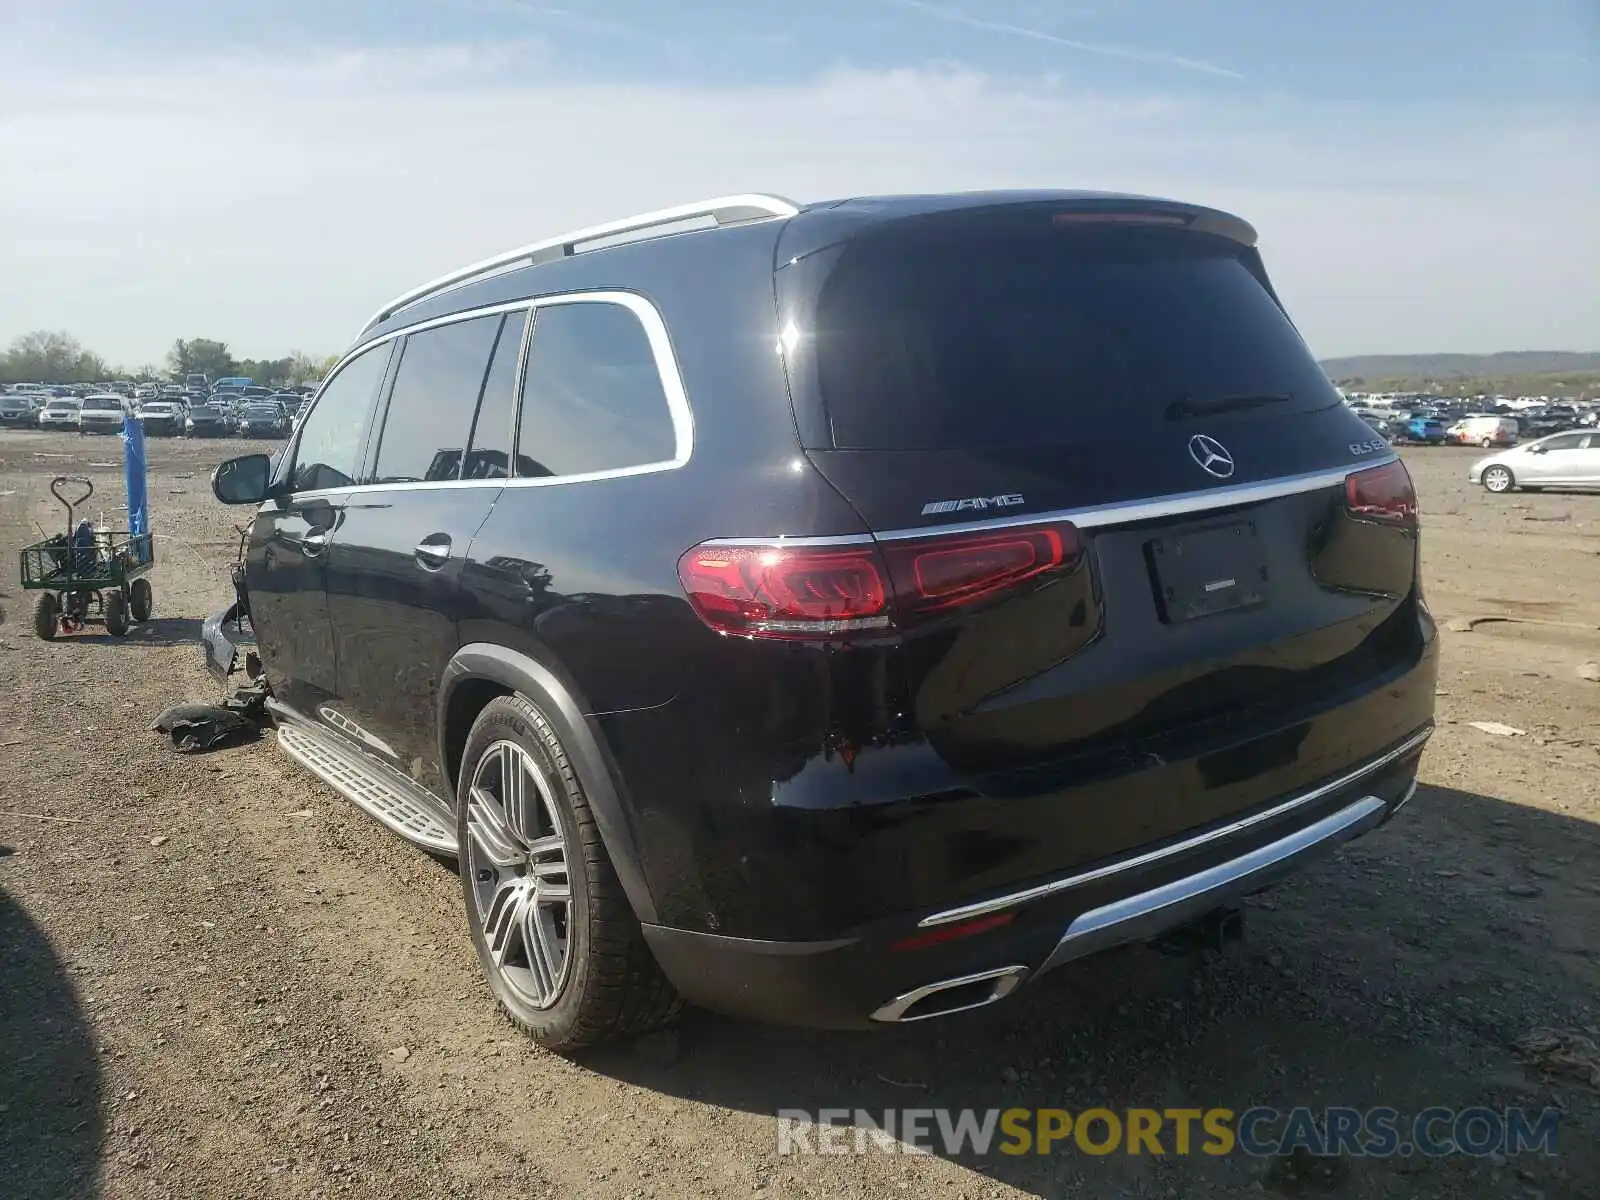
[[230, 645], [228, 637]]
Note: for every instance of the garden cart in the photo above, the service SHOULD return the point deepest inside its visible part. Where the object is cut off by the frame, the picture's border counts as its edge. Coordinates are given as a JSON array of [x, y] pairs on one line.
[[85, 570]]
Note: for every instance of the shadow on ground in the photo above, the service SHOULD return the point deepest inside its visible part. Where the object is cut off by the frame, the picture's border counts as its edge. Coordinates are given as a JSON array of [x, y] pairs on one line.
[[1399, 972], [51, 1122], [157, 631]]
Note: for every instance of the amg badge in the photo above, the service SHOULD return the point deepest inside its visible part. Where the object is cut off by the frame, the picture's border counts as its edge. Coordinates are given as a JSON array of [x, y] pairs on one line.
[[978, 503]]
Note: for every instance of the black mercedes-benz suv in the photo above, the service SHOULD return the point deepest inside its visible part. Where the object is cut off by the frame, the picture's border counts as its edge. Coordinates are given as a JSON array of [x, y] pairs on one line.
[[844, 613]]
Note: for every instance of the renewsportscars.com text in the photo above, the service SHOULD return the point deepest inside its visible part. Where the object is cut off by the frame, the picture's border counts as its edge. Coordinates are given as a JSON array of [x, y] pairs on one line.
[[1260, 1131]]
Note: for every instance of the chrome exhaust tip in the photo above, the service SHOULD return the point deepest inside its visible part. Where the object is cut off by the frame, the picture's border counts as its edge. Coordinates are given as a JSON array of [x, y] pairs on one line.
[[952, 995]]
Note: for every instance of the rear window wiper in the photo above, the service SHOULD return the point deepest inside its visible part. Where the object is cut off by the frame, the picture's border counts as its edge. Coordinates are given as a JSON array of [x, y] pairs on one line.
[[1192, 407]]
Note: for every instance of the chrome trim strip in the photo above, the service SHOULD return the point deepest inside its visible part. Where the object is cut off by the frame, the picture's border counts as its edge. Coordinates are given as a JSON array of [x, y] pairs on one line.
[[1116, 513], [724, 210], [1006, 981], [1122, 512], [779, 543], [667, 369], [980, 907], [1134, 918]]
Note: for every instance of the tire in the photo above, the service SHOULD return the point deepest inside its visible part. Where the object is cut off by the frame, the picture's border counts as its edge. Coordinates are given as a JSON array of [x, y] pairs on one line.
[[1498, 479], [46, 616], [116, 614], [141, 600], [607, 984], [1487, 443]]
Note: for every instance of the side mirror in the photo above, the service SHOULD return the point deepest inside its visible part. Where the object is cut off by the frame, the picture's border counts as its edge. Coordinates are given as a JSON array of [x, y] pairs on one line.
[[243, 480]]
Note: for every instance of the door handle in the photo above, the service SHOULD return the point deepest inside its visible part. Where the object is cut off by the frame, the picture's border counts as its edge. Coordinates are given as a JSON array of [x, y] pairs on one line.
[[313, 542], [433, 551]]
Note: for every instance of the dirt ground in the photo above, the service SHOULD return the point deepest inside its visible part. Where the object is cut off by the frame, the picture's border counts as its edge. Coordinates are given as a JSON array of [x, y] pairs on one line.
[[217, 979]]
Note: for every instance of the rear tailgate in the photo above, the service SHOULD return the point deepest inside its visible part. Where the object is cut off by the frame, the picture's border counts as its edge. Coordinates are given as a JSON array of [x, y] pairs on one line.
[[1230, 611]]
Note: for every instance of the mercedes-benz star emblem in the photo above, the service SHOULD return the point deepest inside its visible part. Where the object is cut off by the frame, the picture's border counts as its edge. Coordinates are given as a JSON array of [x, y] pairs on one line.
[[1212, 455]]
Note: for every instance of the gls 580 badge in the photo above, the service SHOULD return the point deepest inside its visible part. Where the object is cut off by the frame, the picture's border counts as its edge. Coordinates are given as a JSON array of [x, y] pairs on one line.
[[977, 503]]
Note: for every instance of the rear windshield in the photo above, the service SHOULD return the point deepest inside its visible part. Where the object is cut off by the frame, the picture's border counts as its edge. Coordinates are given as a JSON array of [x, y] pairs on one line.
[[990, 339]]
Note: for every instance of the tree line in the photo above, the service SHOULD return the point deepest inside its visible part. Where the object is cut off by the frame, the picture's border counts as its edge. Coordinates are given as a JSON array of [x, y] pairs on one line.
[[50, 356]]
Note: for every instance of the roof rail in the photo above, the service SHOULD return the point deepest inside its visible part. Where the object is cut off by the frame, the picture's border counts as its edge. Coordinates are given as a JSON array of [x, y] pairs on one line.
[[724, 210]]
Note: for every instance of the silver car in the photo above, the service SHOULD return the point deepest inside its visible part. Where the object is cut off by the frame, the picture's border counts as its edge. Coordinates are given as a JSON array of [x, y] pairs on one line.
[[1559, 460]]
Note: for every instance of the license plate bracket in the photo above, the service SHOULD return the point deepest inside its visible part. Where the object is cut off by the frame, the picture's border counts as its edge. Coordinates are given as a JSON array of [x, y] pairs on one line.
[[1201, 572]]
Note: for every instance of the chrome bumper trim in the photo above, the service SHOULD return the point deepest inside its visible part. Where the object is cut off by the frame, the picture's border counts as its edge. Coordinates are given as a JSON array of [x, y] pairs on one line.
[[1140, 917], [979, 908]]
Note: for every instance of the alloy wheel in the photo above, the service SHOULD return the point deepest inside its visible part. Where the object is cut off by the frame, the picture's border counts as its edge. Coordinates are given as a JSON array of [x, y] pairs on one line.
[[516, 853], [1497, 479]]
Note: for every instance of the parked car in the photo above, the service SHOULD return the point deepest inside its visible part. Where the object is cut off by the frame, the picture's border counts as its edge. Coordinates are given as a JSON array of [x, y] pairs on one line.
[[1429, 431], [262, 419], [1562, 459], [161, 418], [1485, 431], [861, 682], [101, 414], [207, 420], [18, 412], [60, 413]]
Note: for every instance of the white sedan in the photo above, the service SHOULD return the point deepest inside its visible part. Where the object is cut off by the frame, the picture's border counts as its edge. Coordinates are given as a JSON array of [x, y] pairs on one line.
[[1559, 460]]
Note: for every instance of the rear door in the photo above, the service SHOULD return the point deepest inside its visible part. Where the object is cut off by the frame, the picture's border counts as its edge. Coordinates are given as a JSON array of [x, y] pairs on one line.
[[287, 559], [395, 565], [1131, 401]]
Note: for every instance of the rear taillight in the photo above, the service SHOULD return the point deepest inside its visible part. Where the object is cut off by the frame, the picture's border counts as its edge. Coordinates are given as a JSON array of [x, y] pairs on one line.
[[825, 592], [935, 574], [1382, 494], [786, 591]]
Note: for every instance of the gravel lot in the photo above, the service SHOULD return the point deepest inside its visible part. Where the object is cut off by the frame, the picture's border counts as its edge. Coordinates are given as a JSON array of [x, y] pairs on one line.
[[217, 979]]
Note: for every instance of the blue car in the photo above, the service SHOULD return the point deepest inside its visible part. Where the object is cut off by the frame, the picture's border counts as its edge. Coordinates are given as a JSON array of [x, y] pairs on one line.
[[1428, 430]]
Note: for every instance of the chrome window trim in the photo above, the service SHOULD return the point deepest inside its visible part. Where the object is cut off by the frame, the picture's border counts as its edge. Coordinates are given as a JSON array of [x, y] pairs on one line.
[[1012, 899], [667, 370]]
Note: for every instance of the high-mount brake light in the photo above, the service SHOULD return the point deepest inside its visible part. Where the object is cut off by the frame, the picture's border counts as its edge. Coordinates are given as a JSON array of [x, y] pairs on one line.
[[1382, 494], [830, 592], [1113, 217]]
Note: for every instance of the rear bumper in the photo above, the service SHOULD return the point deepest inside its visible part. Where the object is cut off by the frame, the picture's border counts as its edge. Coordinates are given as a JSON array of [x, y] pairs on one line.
[[872, 977]]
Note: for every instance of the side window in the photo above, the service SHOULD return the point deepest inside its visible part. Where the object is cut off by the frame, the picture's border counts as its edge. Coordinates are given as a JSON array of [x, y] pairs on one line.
[[592, 399], [328, 454], [1565, 441], [435, 393], [489, 454]]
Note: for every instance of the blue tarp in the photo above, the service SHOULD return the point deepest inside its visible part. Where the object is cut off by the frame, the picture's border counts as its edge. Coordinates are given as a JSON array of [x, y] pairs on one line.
[[133, 464]]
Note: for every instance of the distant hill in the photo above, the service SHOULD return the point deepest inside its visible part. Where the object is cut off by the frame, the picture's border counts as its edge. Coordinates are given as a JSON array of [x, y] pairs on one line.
[[1421, 368]]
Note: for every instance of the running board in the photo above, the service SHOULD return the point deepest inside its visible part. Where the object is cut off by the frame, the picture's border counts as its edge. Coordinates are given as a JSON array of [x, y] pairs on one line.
[[386, 796]]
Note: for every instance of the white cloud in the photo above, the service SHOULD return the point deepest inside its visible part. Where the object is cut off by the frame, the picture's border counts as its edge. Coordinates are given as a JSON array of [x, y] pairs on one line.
[[275, 204]]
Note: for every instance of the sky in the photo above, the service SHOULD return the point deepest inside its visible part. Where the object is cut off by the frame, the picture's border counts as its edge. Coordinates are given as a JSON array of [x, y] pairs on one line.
[[1425, 174]]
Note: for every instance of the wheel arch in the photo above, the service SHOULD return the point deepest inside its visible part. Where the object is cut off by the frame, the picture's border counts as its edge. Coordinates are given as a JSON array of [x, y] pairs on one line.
[[480, 672]]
